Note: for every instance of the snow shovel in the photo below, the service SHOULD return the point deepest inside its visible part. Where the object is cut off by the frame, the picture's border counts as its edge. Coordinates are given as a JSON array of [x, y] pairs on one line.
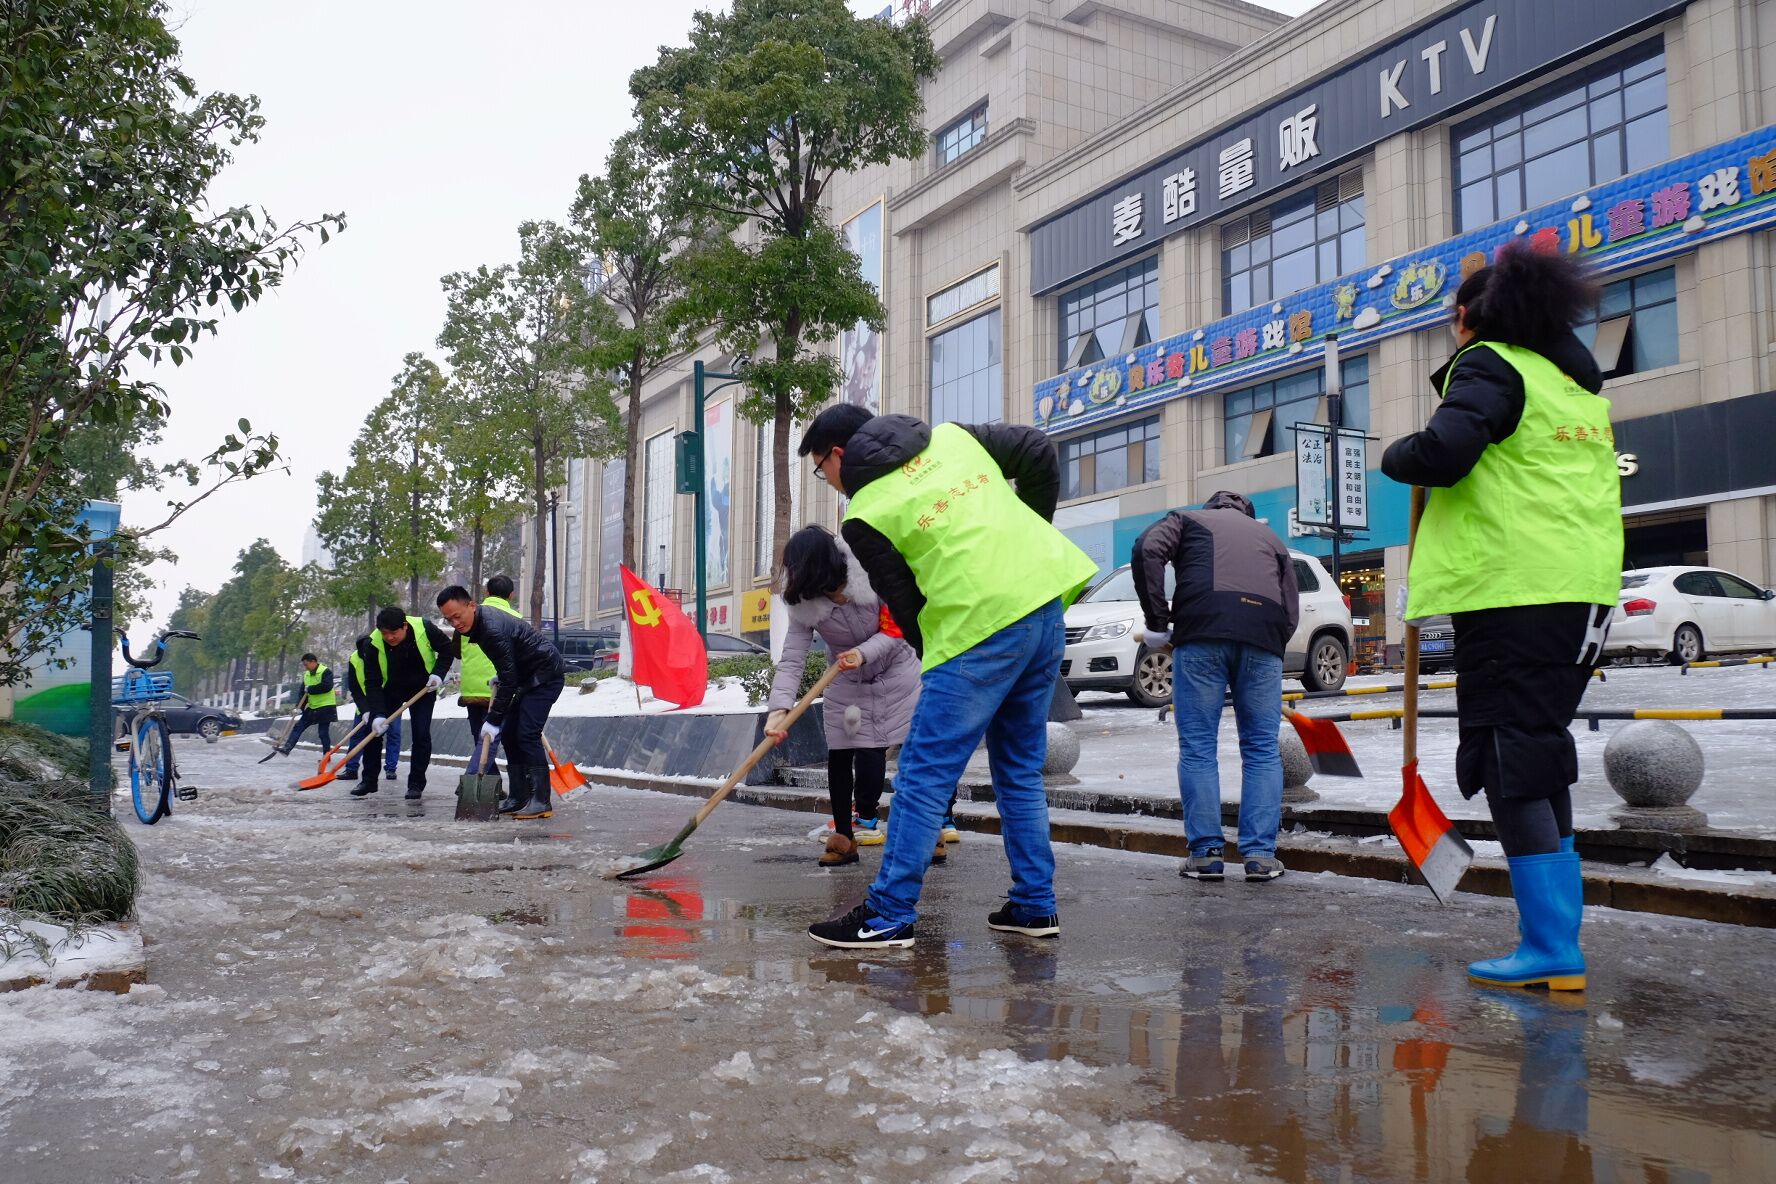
[[327, 775], [665, 853], [478, 791], [283, 728], [564, 776], [1434, 846], [362, 722]]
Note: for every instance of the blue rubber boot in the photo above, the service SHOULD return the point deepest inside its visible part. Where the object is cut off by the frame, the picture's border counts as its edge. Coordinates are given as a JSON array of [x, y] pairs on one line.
[[1550, 905]]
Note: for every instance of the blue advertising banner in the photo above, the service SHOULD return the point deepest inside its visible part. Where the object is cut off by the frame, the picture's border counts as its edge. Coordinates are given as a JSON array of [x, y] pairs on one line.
[[1728, 189]]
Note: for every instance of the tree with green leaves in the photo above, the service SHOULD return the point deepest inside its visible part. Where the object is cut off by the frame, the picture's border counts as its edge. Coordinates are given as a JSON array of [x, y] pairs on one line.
[[484, 483], [353, 513], [768, 102], [522, 337], [113, 263], [638, 222], [409, 459]]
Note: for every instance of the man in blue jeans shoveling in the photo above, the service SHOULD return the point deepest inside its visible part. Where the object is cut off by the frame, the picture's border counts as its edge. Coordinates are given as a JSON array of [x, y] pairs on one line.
[[1228, 623], [977, 578]]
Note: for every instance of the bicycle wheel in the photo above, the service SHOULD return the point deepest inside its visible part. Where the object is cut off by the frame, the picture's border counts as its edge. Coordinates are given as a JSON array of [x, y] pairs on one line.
[[150, 769]]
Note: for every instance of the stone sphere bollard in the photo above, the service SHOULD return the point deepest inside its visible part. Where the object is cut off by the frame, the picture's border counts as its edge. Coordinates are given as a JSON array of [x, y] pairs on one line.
[[1655, 766], [1063, 750], [1297, 769]]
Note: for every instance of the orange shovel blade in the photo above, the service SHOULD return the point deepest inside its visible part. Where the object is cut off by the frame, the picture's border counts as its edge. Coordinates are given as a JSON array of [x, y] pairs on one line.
[[1433, 845], [325, 777], [564, 777]]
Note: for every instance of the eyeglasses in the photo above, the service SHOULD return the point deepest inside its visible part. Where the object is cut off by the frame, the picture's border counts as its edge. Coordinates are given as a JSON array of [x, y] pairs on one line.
[[821, 463]]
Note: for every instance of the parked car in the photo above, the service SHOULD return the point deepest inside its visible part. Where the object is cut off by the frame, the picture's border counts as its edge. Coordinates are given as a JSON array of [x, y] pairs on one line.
[[1686, 613], [717, 645], [1104, 650], [1436, 644], [587, 649], [183, 717]]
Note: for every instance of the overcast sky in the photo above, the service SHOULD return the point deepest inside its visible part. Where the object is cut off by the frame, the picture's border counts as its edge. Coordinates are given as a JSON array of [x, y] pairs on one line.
[[436, 128]]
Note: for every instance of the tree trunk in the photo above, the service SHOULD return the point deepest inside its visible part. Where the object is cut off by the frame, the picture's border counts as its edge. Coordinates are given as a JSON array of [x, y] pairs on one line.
[[540, 532], [787, 347], [631, 465], [480, 536]]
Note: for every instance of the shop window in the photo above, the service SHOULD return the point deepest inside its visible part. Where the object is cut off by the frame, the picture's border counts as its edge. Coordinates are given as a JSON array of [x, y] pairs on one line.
[[1111, 315], [1364, 586], [1293, 245], [961, 137], [965, 385], [1099, 462], [1636, 326], [1260, 420], [1584, 130], [1665, 539]]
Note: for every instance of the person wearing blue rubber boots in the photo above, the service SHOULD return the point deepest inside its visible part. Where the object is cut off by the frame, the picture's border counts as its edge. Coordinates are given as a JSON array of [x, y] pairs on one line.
[[1521, 543], [977, 577]]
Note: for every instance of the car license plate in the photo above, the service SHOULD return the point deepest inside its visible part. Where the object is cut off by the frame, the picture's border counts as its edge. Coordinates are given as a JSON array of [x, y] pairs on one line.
[[1434, 647], [228, 731]]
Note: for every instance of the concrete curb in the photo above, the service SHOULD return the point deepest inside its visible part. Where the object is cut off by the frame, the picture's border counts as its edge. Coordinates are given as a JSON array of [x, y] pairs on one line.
[[1613, 888]]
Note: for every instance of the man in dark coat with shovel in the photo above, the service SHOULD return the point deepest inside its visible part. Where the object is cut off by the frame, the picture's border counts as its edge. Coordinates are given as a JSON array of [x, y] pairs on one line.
[[528, 678]]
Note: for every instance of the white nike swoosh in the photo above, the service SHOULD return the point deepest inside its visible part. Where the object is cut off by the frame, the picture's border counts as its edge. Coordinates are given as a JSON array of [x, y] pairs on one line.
[[866, 934]]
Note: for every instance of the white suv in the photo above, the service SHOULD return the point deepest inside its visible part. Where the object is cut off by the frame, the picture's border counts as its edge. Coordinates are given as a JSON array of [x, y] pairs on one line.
[[1104, 650]]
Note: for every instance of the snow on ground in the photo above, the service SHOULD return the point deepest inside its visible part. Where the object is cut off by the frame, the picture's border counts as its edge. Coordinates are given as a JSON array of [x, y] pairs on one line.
[[1126, 750], [345, 990], [73, 956], [616, 696]]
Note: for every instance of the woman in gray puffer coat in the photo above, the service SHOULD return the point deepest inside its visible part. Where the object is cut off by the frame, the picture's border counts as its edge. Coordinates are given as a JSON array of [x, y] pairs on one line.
[[869, 707]]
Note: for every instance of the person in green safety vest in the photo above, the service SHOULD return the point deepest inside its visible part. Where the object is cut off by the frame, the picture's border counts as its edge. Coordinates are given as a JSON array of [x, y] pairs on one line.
[[953, 526], [412, 654], [1521, 543], [320, 704], [476, 691]]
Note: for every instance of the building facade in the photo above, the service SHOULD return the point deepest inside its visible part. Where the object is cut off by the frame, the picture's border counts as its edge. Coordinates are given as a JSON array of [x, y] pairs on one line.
[[1140, 221]]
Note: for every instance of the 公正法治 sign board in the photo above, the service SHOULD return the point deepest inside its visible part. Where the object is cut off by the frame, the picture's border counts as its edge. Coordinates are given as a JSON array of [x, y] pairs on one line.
[[1656, 214]]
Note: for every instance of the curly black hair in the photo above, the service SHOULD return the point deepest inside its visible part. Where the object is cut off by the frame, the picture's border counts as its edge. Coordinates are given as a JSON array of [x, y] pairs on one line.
[[1527, 297]]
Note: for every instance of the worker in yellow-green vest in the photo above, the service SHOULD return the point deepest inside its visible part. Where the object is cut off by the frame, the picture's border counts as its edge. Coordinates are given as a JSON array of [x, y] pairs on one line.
[[1521, 544], [411, 654], [320, 704], [953, 526], [476, 692]]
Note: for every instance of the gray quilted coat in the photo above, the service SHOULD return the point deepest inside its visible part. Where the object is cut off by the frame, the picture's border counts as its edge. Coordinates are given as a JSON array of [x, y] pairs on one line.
[[871, 707]]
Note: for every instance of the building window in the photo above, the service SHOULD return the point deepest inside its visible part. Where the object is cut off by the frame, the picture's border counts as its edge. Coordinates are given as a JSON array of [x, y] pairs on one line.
[[1260, 421], [1636, 326], [965, 373], [656, 516], [958, 138], [1581, 131], [765, 506], [959, 298], [1111, 459], [1110, 315], [1293, 245], [572, 511]]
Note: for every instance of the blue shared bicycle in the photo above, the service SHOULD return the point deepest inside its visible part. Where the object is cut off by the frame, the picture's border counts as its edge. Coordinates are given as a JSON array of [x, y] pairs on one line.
[[154, 776]]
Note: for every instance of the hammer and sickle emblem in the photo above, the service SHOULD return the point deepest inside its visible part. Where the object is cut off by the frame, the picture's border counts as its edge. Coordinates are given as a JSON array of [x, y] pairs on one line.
[[649, 612]]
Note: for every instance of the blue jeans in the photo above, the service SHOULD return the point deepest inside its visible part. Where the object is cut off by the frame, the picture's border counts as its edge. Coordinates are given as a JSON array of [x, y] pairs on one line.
[[1202, 674], [1000, 689]]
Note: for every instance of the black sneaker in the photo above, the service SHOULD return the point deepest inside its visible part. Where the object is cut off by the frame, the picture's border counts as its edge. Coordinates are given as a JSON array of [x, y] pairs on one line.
[[1207, 866], [1008, 918], [413, 792], [365, 789], [858, 930], [388, 775]]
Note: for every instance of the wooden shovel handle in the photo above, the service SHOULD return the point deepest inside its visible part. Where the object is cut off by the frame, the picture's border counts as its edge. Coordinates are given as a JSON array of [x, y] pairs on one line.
[[765, 745], [1409, 705], [365, 742]]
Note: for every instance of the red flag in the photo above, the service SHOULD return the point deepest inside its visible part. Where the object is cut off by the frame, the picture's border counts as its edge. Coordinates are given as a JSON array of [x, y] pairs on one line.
[[667, 652]]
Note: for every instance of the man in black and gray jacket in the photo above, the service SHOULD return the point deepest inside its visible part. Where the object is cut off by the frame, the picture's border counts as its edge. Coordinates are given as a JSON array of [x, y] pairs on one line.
[[1228, 623], [529, 675]]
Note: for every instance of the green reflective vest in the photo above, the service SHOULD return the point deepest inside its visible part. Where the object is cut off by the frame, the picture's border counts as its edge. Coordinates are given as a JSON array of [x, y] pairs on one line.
[[477, 667], [983, 558], [1539, 519], [311, 680], [356, 662], [415, 626]]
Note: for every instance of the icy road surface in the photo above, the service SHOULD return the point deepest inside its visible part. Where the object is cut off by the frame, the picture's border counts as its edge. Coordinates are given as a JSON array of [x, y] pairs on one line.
[[365, 990]]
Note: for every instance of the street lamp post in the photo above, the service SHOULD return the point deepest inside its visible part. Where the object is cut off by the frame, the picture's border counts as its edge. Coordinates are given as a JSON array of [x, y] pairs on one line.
[[692, 445], [1335, 417]]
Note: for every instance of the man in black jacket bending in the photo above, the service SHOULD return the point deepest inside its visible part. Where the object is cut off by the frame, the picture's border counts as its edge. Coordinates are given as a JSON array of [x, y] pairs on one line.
[[411, 654], [529, 677]]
